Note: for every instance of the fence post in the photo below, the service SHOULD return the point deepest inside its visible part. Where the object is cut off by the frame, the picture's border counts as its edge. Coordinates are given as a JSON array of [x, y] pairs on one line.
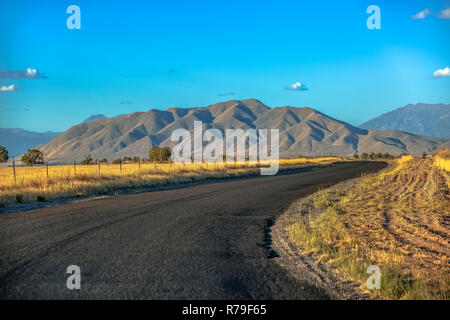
[[14, 170]]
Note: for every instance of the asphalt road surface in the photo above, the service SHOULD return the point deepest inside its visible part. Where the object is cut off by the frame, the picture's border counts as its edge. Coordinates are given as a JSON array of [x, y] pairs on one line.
[[201, 242]]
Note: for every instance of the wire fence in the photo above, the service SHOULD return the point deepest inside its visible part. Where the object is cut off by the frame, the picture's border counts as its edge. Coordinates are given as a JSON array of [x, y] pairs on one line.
[[23, 174], [47, 171]]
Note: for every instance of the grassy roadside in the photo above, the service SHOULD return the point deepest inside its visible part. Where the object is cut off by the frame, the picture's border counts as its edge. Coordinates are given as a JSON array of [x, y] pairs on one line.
[[33, 185], [397, 219]]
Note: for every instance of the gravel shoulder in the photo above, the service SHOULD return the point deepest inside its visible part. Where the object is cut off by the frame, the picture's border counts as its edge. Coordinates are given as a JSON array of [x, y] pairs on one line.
[[305, 266]]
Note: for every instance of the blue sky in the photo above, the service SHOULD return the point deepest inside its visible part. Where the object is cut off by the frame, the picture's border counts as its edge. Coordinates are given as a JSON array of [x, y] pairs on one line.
[[137, 55]]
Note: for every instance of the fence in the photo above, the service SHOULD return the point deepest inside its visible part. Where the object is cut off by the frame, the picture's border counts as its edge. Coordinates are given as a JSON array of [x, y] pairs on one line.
[[48, 171], [21, 174]]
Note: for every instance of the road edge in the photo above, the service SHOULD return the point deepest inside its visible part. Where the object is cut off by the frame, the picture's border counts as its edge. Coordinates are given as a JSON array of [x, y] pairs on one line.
[[305, 267]]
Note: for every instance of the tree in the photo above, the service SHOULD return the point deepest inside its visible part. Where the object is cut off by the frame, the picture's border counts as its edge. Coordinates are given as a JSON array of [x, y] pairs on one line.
[[153, 155], [32, 157], [136, 159], [87, 160], [3, 154], [117, 161], [355, 156], [424, 155], [165, 154], [127, 159], [364, 156], [104, 160], [157, 154]]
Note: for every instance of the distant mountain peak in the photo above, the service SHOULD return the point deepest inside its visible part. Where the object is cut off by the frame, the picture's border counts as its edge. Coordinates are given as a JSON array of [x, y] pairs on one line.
[[251, 100], [423, 119], [95, 117], [18, 141]]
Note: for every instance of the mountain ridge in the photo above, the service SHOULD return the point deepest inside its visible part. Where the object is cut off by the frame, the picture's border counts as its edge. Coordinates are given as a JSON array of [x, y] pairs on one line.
[[17, 141], [95, 117], [423, 119], [303, 131]]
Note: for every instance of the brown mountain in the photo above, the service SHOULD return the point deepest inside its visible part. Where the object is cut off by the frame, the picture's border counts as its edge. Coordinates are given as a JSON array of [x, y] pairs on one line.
[[303, 131]]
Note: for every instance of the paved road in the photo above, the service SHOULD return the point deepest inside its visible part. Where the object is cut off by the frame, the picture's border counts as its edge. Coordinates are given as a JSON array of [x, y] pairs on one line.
[[200, 242]]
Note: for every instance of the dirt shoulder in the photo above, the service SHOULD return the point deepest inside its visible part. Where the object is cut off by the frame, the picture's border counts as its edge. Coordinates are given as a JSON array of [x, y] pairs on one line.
[[396, 221], [305, 267]]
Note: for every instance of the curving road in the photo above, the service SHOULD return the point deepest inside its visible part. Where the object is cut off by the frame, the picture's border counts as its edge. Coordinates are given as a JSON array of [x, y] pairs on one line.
[[201, 242]]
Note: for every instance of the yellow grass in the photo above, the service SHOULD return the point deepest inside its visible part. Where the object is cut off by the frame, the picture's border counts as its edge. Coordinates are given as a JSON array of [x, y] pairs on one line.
[[32, 184], [444, 164], [397, 219], [405, 158], [442, 159]]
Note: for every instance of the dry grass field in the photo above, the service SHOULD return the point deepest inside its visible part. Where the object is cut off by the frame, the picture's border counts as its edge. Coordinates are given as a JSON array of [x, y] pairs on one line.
[[442, 159], [398, 219], [32, 183]]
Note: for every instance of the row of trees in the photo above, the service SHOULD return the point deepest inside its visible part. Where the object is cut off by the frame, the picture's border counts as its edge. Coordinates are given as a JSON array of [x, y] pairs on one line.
[[35, 156], [31, 157], [156, 154], [373, 156]]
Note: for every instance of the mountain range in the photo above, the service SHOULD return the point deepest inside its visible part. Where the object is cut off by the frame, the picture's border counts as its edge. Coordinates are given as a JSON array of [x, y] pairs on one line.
[[18, 141], [303, 131], [423, 119]]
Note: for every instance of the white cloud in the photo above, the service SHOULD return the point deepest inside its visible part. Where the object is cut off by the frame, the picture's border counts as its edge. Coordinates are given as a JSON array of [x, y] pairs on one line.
[[422, 14], [297, 87], [11, 87], [440, 73], [444, 14], [31, 72]]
